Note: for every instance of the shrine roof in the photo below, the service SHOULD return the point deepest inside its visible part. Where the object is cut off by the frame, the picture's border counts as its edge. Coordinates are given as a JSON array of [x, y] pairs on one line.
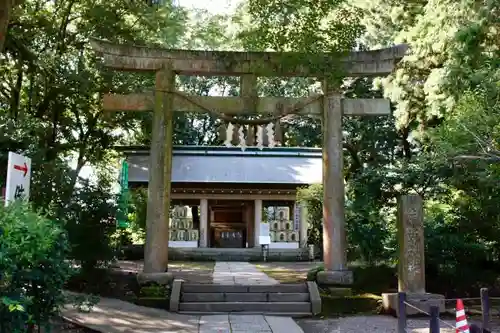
[[202, 164]]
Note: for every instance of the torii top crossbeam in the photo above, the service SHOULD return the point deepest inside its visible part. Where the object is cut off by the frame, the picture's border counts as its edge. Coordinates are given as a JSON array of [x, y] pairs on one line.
[[191, 62]]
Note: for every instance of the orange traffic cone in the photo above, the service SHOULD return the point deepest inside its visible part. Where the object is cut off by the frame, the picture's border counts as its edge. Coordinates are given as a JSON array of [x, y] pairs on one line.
[[462, 325]]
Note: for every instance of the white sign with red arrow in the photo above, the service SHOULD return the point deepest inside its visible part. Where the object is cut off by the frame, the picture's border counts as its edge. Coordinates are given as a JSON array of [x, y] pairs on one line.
[[18, 178]]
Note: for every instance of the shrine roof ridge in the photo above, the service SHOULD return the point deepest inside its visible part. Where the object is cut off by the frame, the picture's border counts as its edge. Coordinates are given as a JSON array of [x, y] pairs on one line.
[[228, 151]]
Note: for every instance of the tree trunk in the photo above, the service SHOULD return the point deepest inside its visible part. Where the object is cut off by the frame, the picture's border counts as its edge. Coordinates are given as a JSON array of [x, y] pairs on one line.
[[6, 7], [16, 92]]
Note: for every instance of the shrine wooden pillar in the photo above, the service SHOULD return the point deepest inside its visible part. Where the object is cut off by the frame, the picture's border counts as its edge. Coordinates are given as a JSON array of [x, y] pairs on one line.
[[204, 227], [257, 221], [304, 226]]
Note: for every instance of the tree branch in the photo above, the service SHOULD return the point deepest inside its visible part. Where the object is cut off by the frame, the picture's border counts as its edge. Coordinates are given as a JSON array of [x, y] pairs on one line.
[[494, 159]]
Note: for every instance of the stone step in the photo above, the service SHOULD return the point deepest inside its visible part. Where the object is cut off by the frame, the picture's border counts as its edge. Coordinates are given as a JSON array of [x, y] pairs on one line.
[[136, 252], [220, 288], [258, 307], [245, 297], [274, 314], [288, 297]]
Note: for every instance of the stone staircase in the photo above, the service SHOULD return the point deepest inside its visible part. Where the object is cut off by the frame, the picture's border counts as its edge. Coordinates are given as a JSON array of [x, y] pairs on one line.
[[292, 300]]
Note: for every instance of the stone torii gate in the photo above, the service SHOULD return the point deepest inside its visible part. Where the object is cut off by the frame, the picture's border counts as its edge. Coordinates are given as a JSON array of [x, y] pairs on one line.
[[248, 65]]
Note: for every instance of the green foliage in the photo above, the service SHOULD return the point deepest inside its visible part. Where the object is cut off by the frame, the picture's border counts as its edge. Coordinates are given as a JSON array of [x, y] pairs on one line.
[[367, 230], [83, 303], [325, 26], [351, 305], [306, 27], [472, 130], [384, 20], [367, 278], [33, 250], [138, 209], [51, 110], [443, 239], [450, 42], [312, 199], [90, 221], [313, 272], [461, 242], [154, 291]]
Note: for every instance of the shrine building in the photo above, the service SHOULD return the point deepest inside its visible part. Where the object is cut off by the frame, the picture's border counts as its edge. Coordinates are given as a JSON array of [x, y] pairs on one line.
[[228, 198]]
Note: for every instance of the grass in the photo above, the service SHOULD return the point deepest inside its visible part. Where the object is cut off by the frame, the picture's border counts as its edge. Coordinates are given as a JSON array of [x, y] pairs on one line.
[[192, 265], [286, 272], [192, 271], [283, 275], [368, 285], [351, 305]]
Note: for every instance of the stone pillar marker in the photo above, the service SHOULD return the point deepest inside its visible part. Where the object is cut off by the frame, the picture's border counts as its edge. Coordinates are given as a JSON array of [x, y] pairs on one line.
[[411, 245], [204, 223], [411, 258]]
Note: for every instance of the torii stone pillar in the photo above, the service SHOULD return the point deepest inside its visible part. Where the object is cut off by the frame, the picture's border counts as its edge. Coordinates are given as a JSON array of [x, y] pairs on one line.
[[160, 175], [160, 180], [334, 237]]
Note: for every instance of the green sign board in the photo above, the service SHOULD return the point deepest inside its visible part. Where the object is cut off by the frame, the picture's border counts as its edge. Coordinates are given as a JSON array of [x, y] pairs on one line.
[[122, 213]]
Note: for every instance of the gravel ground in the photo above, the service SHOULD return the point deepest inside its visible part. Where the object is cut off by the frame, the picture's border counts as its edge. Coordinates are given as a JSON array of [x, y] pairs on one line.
[[372, 324]]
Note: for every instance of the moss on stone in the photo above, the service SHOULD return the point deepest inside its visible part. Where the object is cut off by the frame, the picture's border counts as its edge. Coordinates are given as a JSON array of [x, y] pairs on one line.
[[367, 279], [357, 304]]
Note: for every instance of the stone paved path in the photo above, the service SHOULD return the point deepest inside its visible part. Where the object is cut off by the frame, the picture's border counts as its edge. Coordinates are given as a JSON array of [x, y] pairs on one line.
[[246, 274], [115, 316], [247, 323], [375, 324], [240, 273]]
